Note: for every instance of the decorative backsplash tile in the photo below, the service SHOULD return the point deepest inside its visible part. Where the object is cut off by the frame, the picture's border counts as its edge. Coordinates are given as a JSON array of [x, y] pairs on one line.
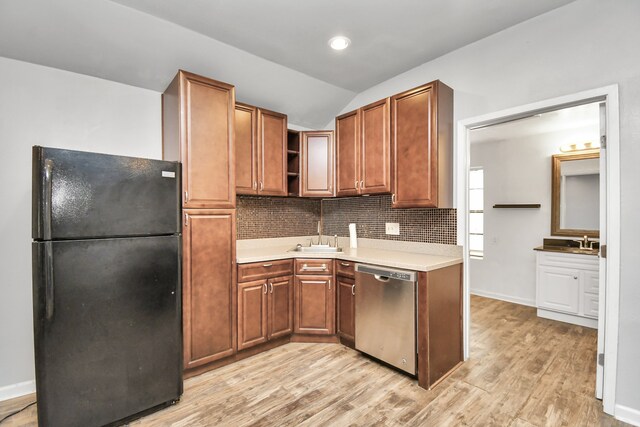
[[264, 217], [268, 217], [371, 213]]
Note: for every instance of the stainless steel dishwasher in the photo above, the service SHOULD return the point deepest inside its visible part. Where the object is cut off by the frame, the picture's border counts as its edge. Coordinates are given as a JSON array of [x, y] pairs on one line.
[[386, 315]]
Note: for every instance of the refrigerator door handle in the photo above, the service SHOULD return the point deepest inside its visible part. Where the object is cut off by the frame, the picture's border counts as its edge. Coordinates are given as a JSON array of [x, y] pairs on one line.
[[48, 280], [48, 191]]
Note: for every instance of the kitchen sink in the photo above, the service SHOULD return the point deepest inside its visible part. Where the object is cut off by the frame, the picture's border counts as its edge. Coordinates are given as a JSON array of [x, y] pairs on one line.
[[316, 249]]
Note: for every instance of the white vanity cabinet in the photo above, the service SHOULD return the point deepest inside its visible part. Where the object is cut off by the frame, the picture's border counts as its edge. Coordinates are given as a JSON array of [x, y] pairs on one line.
[[567, 287]]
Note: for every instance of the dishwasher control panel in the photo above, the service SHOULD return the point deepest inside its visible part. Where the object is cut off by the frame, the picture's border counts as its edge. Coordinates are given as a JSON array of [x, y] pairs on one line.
[[387, 272]]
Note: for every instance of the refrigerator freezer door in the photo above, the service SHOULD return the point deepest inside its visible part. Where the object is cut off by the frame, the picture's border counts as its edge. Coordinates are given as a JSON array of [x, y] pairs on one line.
[[110, 345], [78, 195]]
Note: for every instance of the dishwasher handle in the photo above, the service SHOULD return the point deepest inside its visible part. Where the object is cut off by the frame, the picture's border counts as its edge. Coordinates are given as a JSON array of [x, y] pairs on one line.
[[381, 278]]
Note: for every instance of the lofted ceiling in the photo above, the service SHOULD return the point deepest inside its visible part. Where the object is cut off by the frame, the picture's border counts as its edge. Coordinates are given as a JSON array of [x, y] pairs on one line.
[[275, 52], [388, 37]]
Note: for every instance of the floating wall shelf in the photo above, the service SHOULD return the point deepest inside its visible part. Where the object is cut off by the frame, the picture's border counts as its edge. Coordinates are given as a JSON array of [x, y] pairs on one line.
[[518, 206]]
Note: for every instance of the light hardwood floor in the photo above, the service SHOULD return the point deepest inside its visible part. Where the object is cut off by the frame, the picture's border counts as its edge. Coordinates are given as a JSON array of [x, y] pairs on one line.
[[523, 371]]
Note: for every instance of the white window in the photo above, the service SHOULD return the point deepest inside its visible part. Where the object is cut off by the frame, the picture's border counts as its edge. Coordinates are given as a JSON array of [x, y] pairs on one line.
[[476, 212]]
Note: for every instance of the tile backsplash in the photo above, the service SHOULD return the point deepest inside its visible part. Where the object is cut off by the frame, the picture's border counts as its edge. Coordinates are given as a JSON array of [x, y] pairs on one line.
[[264, 217], [261, 217], [371, 213]]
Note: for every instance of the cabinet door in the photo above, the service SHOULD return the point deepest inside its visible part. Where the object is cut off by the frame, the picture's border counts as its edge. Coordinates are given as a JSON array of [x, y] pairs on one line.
[[346, 308], [252, 313], [315, 305], [317, 164], [272, 153], [209, 297], [348, 154], [422, 147], [246, 150], [207, 133], [375, 167], [559, 289], [280, 306]]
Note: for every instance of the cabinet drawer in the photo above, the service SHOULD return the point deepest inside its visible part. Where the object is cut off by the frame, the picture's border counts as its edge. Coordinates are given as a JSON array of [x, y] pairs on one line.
[[591, 281], [590, 307], [264, 270], [345, 268], [314, 266]]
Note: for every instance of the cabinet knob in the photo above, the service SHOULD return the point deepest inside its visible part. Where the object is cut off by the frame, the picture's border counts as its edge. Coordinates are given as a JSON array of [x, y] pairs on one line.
[[575, 277], [345, 264], [267, 265], [264, 285], [270, 287], [356, 185], [353, 289]]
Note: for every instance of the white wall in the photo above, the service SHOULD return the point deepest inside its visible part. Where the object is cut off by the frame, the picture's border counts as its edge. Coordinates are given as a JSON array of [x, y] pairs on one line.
[[584, 45], [515, 171], [45, 106]]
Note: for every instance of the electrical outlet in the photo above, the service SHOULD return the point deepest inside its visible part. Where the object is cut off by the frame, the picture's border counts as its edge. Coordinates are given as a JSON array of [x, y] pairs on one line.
[[392, 228]]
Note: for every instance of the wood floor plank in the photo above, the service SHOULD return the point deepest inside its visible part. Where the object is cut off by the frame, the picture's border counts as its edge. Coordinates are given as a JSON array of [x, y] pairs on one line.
[[524, 371]]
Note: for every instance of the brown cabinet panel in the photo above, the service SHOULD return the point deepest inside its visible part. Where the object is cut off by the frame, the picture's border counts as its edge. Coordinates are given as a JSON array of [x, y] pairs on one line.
[[376, 148], [348, 154], [198, 130], [272, 153], [315, 305], [252, 313], [246, 149], [346, 308], [264, 270], [316, 266], [317, 154], [422, 120], [280, 306], [209, 297], [345, 268]]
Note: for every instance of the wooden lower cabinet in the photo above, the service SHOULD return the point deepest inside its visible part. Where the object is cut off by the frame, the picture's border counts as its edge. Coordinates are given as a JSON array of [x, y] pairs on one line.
[[280, 307], [209, 299], [265, 310], [346, 308], [315, 305], [252, 313]]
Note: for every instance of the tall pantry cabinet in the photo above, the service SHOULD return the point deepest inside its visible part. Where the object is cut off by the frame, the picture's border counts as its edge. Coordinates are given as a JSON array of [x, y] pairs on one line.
[[198, 130]]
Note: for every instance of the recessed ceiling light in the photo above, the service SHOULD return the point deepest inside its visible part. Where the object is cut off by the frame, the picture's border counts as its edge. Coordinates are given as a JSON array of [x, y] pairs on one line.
[[339, 42]]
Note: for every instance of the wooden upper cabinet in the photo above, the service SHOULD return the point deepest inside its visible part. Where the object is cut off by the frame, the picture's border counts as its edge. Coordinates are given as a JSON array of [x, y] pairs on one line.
[[348, 154], [317, 154], [363, 150], [422, 128], [272, 153], [208, 293], [375, 169], [198, 130], [246, 149]]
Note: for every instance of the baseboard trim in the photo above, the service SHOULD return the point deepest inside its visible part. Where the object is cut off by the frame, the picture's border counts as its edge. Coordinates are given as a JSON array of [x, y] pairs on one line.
[[568, 318], [502, 297], [12, 391], [628, 415]]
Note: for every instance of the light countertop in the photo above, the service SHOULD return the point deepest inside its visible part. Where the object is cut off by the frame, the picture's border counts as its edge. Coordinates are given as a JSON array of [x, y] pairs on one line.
[[415, 261]]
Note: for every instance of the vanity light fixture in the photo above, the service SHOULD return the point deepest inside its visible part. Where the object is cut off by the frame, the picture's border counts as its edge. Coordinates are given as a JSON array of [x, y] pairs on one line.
[[339, 42], [580, 146]]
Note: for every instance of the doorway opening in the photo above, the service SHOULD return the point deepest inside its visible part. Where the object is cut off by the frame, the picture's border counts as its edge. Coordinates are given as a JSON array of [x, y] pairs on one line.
[[478, 218]]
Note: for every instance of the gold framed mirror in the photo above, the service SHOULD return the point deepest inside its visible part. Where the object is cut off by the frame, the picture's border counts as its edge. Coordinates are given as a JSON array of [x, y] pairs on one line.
[[575, 194]]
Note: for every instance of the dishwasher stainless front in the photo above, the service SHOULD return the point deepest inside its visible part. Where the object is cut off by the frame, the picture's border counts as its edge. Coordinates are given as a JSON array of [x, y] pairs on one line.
[[386, 315]]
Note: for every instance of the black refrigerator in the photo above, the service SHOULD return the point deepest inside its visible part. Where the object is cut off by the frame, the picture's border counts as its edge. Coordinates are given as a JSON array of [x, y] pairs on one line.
[[106, 286]]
